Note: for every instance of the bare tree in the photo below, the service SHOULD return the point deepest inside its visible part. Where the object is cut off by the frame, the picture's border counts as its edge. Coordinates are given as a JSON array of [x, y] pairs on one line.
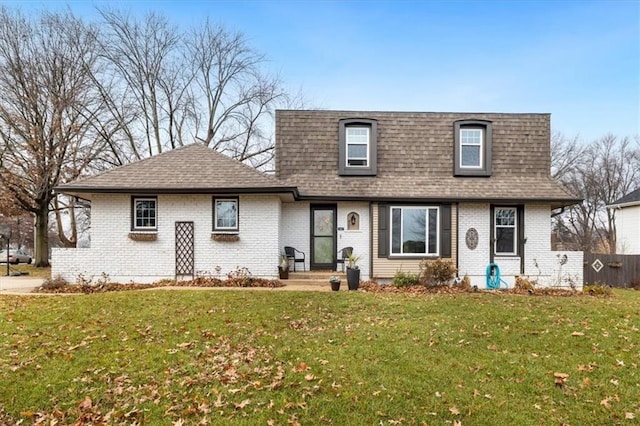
[[46, 110], [601, 172], [144, 57], [233, 99]]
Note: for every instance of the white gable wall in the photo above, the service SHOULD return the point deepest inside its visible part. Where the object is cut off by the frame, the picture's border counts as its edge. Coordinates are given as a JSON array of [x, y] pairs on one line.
[[628, 230], [122, 259]]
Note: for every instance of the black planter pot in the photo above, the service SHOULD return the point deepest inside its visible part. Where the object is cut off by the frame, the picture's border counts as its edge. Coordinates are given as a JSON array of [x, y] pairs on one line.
[[284, 273], [353, 278], [335, 286]]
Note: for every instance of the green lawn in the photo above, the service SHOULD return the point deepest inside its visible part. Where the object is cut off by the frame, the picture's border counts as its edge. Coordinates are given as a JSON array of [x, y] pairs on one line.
[[270, 357]]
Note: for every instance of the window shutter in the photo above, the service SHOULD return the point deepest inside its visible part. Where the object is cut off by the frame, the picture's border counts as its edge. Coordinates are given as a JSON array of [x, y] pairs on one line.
[[521, 237], [445, 231], [383, 230]]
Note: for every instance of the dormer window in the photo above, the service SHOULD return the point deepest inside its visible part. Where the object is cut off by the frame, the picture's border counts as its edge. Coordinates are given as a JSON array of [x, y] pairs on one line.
[[358, 147], [472, 152], [357, 140]]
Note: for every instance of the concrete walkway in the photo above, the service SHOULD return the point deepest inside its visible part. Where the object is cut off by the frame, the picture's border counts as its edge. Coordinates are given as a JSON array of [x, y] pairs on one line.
[[19, 285]]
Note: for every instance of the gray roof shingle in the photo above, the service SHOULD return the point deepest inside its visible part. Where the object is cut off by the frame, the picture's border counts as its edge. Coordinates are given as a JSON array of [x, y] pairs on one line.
[[190, 169], [415, 157], [631, 198]]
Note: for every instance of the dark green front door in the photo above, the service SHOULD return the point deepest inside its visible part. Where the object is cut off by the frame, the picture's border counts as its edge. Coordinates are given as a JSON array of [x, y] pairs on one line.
[[323, 236]]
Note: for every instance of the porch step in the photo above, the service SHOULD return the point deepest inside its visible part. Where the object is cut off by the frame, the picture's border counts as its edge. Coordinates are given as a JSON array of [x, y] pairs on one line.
[[316, 275]]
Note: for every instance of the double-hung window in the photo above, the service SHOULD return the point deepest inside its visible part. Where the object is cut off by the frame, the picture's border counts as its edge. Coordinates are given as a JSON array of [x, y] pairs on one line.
[[225, 214], [472, 147], [145, 213], [357, 140], [415, 230], [471, 142], [357, 147], [506, 235]]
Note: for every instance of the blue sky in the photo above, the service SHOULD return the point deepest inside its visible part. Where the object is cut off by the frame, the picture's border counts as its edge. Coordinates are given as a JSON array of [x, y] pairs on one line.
[[578, 60]]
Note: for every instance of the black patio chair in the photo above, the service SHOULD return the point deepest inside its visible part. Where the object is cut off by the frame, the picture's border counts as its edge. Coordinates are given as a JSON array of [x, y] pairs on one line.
[[294, 254]]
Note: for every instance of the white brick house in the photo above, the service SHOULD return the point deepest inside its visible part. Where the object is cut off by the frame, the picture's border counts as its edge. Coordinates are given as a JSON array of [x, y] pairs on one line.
[[397, 187]]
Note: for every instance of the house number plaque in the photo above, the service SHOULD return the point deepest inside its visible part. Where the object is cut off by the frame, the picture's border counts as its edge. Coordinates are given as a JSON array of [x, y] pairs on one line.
[[471, 238]]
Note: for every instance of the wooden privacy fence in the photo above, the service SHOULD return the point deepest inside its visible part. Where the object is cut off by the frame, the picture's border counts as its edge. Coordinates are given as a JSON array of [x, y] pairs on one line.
[[617, 270]]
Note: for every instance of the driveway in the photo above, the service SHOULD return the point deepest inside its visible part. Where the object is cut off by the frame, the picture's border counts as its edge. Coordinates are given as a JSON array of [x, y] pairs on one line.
[[18, 285]]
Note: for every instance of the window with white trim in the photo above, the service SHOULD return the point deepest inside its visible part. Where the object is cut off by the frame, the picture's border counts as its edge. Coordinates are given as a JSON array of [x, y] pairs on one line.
[[357, 147], [415, 230], [225, 214], [505, 232], [471, 148], [473, 140], [145, 211], [357, 140]]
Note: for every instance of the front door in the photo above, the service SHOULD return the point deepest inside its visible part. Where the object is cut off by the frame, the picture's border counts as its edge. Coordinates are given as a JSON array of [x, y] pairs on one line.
[[323, 236]]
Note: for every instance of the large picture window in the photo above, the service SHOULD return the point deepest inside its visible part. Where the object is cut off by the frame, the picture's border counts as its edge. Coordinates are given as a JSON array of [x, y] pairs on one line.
[[505, 222], [225, 214], [414, 230], [145, 211]]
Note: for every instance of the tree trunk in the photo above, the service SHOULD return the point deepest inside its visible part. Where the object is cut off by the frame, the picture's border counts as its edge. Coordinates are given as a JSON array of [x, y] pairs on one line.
[[41, 244]]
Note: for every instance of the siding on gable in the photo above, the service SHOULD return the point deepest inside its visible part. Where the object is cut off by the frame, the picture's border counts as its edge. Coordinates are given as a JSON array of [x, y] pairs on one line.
[[384, 268], [628, 230]]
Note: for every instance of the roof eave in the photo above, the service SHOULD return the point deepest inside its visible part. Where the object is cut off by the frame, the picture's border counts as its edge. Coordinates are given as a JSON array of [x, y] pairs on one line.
[[79, 191]]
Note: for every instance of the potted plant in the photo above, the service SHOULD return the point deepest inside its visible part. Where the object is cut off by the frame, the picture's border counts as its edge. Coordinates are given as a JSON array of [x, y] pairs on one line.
[[335, 282], [283, 268], [353, 272]]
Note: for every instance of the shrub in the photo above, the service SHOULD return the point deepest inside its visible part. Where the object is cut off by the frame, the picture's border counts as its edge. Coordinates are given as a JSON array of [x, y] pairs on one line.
[[597, 290], [405, 279], [524, 283], [54, 283], [466, 282], [437, 272]]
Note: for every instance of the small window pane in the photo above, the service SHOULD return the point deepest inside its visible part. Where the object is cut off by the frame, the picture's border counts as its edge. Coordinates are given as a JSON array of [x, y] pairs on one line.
[[470, 156], [505, 241], [357, 151], [357, 134], [505, 217], [226, 214], [471, 136]]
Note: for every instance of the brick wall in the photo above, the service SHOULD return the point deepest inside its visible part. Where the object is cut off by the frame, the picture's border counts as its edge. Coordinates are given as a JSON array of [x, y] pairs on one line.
[[296, 232], [112, 252], [540, 263]]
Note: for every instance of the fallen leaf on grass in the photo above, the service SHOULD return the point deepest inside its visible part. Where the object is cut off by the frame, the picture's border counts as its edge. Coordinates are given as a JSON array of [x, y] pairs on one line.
[[577, 333], [242, 404], [560, 378], [454, 410], [85, 404], [457, 423], [629, 416], [301, 367], [606, 403], [309, 377]]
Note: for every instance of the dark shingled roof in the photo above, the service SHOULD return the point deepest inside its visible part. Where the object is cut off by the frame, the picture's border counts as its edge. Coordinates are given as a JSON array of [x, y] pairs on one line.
[[190, 169], [631, 198], [415, 158]]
